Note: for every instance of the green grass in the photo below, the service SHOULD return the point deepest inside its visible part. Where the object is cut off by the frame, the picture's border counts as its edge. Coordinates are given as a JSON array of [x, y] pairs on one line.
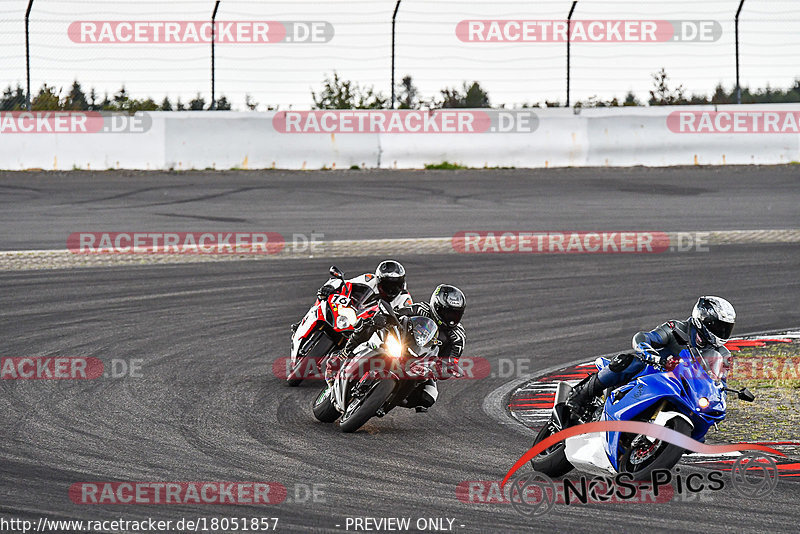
[[778, 365], [775, 414], [443, 166]]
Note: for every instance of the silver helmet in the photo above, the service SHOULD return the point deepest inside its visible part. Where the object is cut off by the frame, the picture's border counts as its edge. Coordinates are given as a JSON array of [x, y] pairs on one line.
[[713, 317]]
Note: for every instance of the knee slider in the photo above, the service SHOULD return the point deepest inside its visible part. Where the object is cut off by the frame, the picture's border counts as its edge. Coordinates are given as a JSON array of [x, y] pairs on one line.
[[621, 361]]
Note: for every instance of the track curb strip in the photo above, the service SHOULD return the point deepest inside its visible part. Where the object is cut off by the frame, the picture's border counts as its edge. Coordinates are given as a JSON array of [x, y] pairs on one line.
[[66, 259]]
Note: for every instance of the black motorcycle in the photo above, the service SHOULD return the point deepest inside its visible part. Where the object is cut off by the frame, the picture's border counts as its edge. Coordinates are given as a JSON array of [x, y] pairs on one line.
[[383, 372]]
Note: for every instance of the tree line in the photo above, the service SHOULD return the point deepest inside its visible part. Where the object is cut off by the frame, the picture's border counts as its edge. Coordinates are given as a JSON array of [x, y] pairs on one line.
[[51, 99], [339, 93]]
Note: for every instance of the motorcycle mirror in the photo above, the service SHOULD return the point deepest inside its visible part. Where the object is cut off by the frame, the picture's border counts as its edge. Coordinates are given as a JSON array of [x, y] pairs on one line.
[[335, 272], [746, 395]]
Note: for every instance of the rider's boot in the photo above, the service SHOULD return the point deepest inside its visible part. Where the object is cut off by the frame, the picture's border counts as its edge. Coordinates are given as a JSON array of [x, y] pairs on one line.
[[422, 398], [583, 393]]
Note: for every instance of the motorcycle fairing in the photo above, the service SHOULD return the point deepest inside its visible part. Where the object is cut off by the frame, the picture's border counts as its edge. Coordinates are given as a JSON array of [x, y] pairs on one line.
[[680, 389], [348, 303]]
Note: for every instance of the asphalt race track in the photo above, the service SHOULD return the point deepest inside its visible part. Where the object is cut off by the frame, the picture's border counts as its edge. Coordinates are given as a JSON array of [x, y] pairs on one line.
[[38, 209], [207, 407]]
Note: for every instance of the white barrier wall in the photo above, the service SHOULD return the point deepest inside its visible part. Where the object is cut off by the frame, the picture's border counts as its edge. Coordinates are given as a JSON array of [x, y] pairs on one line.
[[555, 137]]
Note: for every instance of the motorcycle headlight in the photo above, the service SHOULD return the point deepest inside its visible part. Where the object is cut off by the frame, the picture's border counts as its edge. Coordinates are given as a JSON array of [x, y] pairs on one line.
[[346, 318], [703, 403], [393, 347]]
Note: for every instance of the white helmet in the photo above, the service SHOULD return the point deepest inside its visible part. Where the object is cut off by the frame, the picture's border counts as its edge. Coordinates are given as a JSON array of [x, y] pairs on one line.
[[713, 317]]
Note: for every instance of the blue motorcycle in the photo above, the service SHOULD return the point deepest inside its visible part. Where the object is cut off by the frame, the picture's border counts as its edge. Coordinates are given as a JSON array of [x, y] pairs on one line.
[[690, 399]]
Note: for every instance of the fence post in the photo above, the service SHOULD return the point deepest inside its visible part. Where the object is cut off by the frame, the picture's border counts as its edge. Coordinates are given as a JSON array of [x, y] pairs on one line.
[[569, 27], [28, 57], [213, 57], [736, 25], [394, 18]]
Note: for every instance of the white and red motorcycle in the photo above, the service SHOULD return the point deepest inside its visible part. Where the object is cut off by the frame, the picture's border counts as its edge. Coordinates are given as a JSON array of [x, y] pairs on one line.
[[327, 326]]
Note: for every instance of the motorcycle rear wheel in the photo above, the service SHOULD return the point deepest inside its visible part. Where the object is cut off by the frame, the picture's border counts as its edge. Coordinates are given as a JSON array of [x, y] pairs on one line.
[[553, 461], [354, 419]]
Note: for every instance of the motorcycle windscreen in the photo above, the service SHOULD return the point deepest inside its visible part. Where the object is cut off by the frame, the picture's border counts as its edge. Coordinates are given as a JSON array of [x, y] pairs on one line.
[[715, 364], [423, 330], [361, 295]]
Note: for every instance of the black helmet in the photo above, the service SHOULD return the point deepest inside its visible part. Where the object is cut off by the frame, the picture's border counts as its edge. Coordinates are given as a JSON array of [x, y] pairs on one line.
[[713, 317], [391, 279], [448, 304]]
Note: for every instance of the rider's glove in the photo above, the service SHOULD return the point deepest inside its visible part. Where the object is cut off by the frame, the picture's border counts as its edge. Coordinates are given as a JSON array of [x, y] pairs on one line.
[[325, 291], [329, 288], [378, 321], [649, 355]]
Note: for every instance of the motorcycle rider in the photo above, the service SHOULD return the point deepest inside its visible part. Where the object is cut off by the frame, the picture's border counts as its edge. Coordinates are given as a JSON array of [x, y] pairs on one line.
[[708, 328], [388, 283], [446, 308]]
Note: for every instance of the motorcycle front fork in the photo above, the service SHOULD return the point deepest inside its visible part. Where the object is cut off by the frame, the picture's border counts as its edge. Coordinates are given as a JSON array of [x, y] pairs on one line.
[[362, 386]]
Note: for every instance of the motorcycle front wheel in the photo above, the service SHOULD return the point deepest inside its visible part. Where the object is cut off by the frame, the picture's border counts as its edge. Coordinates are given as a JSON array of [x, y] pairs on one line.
[[644, 456], [323, 407], [320, 344], [363, 408]]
